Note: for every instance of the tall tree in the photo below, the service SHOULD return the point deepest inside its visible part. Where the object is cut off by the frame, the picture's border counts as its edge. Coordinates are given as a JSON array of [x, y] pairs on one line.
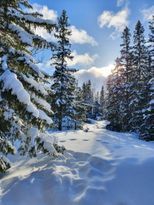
[[113, 98], [63, 79], [126, 74], [140, 73], [147, 127], [151, 48], [24, 111], [102, 101]]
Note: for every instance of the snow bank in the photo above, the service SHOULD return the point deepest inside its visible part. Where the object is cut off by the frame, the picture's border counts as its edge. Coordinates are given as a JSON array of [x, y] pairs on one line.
[[106, 168]]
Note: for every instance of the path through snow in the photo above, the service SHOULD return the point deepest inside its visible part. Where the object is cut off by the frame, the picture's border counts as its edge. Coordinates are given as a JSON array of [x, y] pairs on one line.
[[100, 168]]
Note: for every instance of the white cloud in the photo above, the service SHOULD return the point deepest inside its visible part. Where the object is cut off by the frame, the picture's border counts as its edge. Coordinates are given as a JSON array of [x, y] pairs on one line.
[[48, 14], [44, 34], [45, 11], [96, 75], [148, 13], [118, 20], [81, 36], [82, 59]]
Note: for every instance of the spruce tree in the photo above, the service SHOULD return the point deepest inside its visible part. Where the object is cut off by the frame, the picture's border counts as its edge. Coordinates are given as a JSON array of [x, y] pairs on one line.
[[113, 98], [63, 79], [126, 79], [81, 110], [102, 101], [88, 97], [147, 127], [24, 111], [140, 74], [151, 48]]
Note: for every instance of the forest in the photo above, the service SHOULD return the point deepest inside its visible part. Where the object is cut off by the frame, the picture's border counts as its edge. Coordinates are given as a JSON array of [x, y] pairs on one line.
[[34, 105]]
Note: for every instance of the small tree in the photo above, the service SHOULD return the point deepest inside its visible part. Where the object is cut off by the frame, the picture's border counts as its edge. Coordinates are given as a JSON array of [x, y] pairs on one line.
[[63, 79]]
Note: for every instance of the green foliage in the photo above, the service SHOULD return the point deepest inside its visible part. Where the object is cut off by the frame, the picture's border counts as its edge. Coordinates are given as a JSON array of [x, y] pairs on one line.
[[130, 91], [64, 82], [17, 39]]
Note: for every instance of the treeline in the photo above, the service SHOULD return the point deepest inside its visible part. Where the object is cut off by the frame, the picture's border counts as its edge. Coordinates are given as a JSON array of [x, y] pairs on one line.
[[93, 101], [130, 87]]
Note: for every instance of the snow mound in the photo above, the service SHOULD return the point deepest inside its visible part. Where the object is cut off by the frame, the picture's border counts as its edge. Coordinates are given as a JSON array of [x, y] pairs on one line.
[[106, 168]]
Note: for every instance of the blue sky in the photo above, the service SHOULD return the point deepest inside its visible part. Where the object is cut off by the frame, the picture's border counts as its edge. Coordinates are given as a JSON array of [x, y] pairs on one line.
[[97, 26]]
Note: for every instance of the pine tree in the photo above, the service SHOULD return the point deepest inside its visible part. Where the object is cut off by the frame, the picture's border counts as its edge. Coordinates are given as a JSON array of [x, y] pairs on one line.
[[147, 127], [102, 101], [81, 110], [130, 87], [87, 92], [140, 73], [113, 98], [88, 97], [151, 48], [24, 111], [126, 79], [64, 81]]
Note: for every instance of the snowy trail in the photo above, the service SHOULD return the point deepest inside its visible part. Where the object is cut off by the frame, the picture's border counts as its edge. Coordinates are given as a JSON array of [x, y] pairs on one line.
[[100, 168]]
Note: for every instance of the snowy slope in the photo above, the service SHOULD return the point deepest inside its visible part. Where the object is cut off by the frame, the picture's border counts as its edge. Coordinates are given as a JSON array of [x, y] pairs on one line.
[[100, 168]]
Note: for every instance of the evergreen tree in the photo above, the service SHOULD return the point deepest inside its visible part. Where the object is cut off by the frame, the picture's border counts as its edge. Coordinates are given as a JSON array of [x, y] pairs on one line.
[[102, 101], [87, 92], [147, 127], [151, 48], [113, 98], [130, 87], [80, 115], [64, 81], [125, 79], [88, 97], [140, 77], [24, 111]]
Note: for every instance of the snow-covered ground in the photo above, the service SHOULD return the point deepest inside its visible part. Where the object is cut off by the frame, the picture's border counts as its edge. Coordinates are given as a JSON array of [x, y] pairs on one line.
[[100, 167]]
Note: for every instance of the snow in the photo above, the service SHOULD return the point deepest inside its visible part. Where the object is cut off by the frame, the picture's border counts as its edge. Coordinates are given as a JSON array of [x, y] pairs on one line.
[[4, 62], [42, 102], [33, 83], [100, 167], [151, 102], [8, 114], [23, 96], [44, 116], [29, 17], [24, 36], [27, 59], [17, 89], [33, 132]]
